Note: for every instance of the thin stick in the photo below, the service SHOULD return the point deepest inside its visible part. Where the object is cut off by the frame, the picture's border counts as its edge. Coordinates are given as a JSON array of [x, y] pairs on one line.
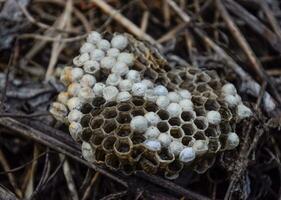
[[246, 48], [116, 15], [178, 10]]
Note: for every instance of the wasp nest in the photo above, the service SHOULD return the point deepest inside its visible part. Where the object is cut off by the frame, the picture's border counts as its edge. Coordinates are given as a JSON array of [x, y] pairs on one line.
[[133, 112]]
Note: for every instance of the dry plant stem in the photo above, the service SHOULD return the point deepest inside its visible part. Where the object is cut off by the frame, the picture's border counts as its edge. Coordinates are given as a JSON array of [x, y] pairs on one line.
[[254, 23], [68, 177], [89, 188], [178, 10], [51, 39], [251, 84], [57, 47], [124, 21], [171, 186], [5, 194], [29, 178], [5, 165], [271, 18], [60, 145], [247, 49]]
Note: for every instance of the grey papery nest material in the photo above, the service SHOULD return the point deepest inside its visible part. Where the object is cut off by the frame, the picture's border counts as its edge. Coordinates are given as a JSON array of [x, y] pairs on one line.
[[132, 111]]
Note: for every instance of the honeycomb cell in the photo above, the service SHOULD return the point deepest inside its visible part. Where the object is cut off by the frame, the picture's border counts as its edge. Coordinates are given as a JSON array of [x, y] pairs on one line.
[[86, 134], [123, 118], [187, 140], [225, 113], [203, 165], [187, 85], [150, 106], [209, 94], [137, 151], [164, 157], [187, 116], [163, 127], [200, 111], [199, 135], [174, 78], [124, 107], [202, 77], [112, 162], [123, 147], [174, 121], [109, 126], [211, 132], [225, 127], [189, 128], [173, 169], [198, 100], [176, 132], [164, 115], [202, 87], [99, 156], [138, 111], [96, 140], [124, 131], [214, 145], [109, 113], [215, 84], [98, 101], [193, 71], [85, 120], [201, 123], [108, 143], [96, 112], [211, 104], [138, 101], [149, 164], [110, 104], [96, 123], [86, 108], [137, 138]]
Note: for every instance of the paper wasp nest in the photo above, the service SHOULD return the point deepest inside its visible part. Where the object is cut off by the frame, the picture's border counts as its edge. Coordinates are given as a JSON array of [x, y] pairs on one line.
[[131, 111]]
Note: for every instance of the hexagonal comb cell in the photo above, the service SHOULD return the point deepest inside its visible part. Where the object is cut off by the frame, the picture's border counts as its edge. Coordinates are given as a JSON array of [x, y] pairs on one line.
[[198, 100], [96, 140], [174, 78], [137, 152], [108, 143], [123, 117], [86, 134], [163, 127], [187, 116], [112, 162], [201, 123], [100, 156], [86, 108], [164, 115], [96, 123], [110, 104], [211, 132], [149, 164], [225, 127], [138, 101], [165, 157], [187, 140], [85, 120], [150, 106], [109, 126], [202, 77], [176, 133], [214, 145], [225, 113], [202, 87], [188, 128], [211, 104], [124, 131], [138, 111], [123, 147], [124, 107], [137, 138], [187, 85], [200, 111], [199, 135], [109, 113], [173, 169], [98, 101], [174, 121]]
